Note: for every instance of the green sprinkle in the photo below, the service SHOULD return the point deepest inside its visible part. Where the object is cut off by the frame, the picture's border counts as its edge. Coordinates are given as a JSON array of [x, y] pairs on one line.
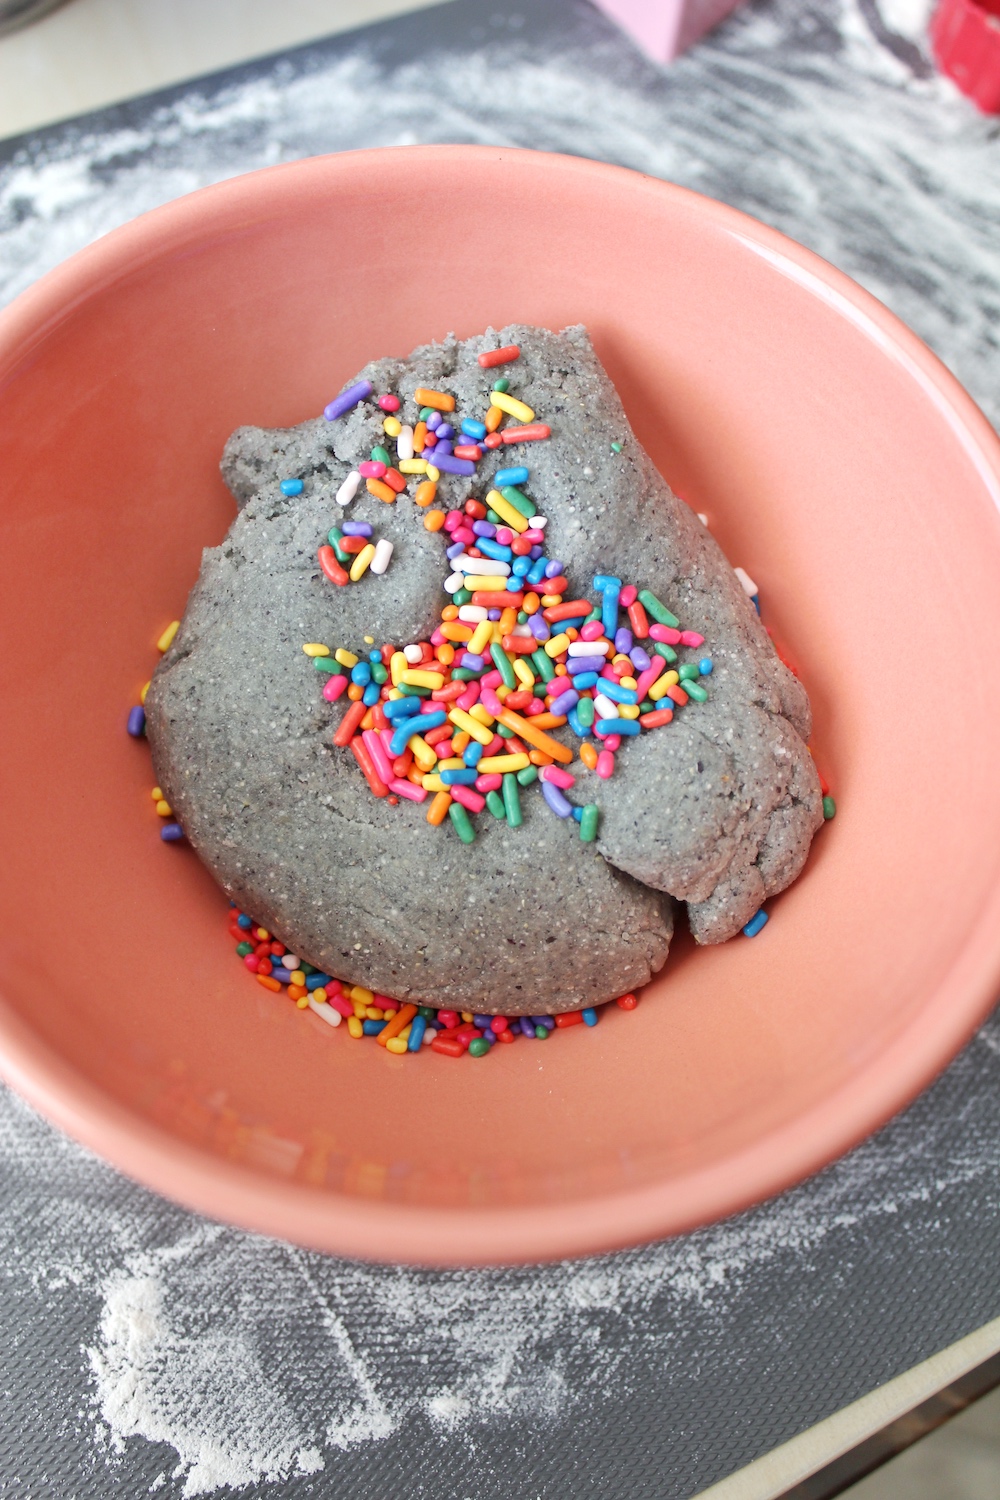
[[829, 808], [504, 732], [648, 707], [616, 447], [463, 823], [464, 674], [588, 823], [334, 537], [478, 1047], [329, 666], [307, 968], [380, 673], [542, 1033], [380, 455], [595, 614], [520, 502], [494, 519], [427, 1011], [502, 663], [544, 663], [660, 648], [539, 690], [501, 385], [243, 949], [585, 712], [522, 618], [511, 800], [425, 412], [494, 802], [526, 775], [461, 596], [660, 612], [409, 691], [688, 672], [696, 691]]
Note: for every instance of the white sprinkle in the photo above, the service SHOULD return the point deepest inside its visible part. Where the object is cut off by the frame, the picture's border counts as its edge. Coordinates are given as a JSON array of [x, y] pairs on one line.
[[289, 961], [349, 488], [589, 648], [429, 1036], [472, 614], [404, 443], [749, 587], [329, 1012], [702, 518], [453, 583], [414, 654], [605, 708], [539, 522], [383, 552], [522, 629], [493, 567]]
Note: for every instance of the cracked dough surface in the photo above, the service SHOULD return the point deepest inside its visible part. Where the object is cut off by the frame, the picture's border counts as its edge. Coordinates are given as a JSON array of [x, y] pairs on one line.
[[716, 810]]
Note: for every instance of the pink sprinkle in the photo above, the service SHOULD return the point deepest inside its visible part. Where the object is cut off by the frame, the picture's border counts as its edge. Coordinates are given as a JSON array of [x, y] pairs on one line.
[[628, 595], [592, 631], [339, 1003], [491, 680], [380, 760], [646, 679], [691, 638], [253, 964], [489, 783], [387, 403], [453, 519], [557, 776], [404, 788], [613, 742], [498, 1024], [372, 468], [496, 746], [490, 701], [666, 634], [605, 764], [504, 536], [469, 698], [536, 706], [532, 535], [334, 687], [464, 534], [437, 639], [467, 797]]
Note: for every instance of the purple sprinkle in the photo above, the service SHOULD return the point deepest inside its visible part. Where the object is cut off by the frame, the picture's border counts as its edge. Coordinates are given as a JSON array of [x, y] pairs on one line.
[[539, 627], [482, 1022], [494, 615], [489, 1035], [434, 421], [456, 549], [526, 1027], [347, 399], [171, 833], [638, 658], [136, 722], [484, 528], [535, 552], [445, 430], [356, 528], [439, 450], [564, 702], [585, 664], [545, 1021], [449, 464], [283, 976], [471, 662], [553, 569], [623, 640], [558, 803]]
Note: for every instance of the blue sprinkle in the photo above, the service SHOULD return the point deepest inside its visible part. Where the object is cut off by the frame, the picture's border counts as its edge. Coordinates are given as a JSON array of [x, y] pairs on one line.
[[136, 722], [455, 550], [514, 584], [417, 1028], [291, 486], [705, 666], [755, 601], [244, 921], [521, 566], [493, 549], [417, 725], [375, 656], [372, 1028], [589, 1015], [473, 428], [614, 690], [616, 726], [401, 708], [537, 571], [465, 777], [318, 981], [755, 924], [578, 814], [509, 476], [473, 753], [370, 696], [587, 680], [580, 730], [361, 673]]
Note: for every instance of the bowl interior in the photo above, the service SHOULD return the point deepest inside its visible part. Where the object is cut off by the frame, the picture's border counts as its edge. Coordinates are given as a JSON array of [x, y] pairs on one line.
[[837, 463]]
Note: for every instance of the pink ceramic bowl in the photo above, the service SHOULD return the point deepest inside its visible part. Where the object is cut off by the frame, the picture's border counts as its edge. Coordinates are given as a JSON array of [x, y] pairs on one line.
[[838, 462]]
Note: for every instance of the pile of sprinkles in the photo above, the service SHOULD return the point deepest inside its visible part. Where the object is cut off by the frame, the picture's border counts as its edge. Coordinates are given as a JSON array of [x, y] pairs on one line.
[[464, 717]]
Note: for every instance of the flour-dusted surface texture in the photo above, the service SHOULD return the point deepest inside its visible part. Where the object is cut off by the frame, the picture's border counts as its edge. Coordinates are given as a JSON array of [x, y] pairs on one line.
[[145, 1352], [718, 809]]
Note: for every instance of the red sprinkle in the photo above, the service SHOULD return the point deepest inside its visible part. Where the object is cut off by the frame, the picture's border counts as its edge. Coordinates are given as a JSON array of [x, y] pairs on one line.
[[530, 434], [499, 356], [331, 567]]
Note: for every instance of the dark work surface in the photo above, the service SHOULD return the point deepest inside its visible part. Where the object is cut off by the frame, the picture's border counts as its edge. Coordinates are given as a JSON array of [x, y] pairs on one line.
[[147, 1351]]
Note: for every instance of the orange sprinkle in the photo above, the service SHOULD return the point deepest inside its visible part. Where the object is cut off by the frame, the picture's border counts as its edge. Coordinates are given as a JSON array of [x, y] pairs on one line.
[[538, 757], [493, 418], [434, 520], [536, 737], [383, 491], [450, 612], [456, 630], [438, 810], [531, 604], [396, 1024], [440, 400], [460, 741], [445, 654], [296, 991], [588, 755], [548, 721], [355, 696], [420, 437], [268, 982]]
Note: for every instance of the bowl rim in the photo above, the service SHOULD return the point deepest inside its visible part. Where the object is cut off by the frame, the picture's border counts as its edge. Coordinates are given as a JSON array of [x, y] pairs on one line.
[[400, 1233]]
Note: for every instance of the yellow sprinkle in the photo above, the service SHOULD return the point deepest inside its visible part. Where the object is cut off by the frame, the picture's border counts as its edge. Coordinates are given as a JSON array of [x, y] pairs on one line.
[[491, 763], [480, 712], [523, 672], [661, 684], [556, 645], [510, 513], [346, 658], [168, 635], [156, 793], [512, 406], [548, 600], [302, 1002], [164, 809], [145, 689], [471, 726], [628, 682], [319, 995], [373, 1013], [394, 692], [628, 710], [359, 567], [432, 783], [433, 474], [313, 648], [489, 581], [467, 1015], [439, 400], [412, 466], [482, 637], [355, 1028], [360, 993], [369, 640], [359, 1008], [392, 426], [299, 978], [425, 755], [397, 1045], [402, 1036], [397, 666], [418, 677]]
